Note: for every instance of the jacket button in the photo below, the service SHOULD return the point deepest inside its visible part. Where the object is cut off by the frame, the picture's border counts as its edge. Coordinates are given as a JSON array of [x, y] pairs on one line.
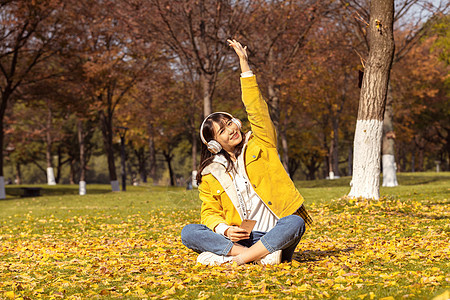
[[270, 203], [254, 156], [218, 191]]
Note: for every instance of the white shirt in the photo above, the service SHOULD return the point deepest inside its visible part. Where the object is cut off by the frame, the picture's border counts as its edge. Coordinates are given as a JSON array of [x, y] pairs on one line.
[[256, 208], [250, 204]]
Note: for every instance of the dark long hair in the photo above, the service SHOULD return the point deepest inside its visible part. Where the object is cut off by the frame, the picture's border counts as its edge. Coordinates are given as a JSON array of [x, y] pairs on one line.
[[206, 156]]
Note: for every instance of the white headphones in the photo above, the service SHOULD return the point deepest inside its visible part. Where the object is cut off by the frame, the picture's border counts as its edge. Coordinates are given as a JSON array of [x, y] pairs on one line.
[[213, 145]]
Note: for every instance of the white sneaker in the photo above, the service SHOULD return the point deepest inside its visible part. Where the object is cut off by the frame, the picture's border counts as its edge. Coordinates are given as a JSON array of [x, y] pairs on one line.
[[271, 258], [211, 259]]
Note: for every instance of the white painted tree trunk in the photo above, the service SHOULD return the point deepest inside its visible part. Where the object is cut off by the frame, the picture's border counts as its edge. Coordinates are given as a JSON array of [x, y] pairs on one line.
[[2, 188], [82, 188], [438, 169], [115, 186], [50, 177], [388, 143], [389, 171], [372, 101], [366, 162], [194, 179]]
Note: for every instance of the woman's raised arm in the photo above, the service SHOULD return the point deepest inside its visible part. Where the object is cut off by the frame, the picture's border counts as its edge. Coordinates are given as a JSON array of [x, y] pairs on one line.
[[242, 53], [256, 107]]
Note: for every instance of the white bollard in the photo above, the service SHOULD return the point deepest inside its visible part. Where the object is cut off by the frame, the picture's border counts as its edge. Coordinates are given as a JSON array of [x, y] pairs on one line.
[[82, 188], [2, 188], [194, 180], [115, 186], [50, 177], [438, 164]]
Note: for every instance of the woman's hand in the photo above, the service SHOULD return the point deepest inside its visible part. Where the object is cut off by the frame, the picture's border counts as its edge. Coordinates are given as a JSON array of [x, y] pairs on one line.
[[242, 53], [236, 234]]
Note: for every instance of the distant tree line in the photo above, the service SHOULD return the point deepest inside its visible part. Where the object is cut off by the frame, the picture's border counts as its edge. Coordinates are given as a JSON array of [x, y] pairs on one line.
[[73, 72]]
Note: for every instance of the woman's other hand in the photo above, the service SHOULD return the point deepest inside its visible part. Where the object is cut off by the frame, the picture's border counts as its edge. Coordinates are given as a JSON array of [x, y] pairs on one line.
[[236, 234]]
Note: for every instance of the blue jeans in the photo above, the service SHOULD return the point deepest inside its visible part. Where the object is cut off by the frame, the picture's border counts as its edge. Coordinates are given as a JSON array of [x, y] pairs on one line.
[[284, 236]]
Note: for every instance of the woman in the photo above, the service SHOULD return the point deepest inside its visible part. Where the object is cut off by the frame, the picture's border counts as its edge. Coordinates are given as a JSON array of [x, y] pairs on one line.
[[242, 178]]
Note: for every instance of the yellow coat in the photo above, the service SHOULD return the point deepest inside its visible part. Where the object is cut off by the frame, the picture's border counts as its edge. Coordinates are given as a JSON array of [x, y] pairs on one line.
[[264, 169]]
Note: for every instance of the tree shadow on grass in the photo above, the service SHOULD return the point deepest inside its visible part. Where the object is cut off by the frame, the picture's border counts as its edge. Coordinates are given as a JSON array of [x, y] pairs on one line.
[[316, 255], [17, 192]]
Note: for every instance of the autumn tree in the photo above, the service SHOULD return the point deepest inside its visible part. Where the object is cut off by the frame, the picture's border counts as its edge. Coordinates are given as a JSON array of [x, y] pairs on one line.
[[29, 31], [149, 104], [277, 33], [76, 94], [195, 33], [409, 23], [46, 99], [23, 139], [46, 107], [157, 114], [327, 85], [421, 86], [369, 124], [112, 63]]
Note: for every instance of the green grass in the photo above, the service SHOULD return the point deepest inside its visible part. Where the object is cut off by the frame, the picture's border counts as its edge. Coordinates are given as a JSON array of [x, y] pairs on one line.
[[127, 245]]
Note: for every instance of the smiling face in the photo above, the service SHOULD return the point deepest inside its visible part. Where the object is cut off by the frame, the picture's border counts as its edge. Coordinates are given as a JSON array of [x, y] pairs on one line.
[[228, 135]]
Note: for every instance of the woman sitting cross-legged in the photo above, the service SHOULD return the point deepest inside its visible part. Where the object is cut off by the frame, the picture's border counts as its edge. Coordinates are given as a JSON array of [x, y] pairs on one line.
[[241, 178]]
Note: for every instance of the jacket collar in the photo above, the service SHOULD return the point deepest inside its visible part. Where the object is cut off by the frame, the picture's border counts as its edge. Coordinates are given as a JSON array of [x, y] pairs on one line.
[[218, 169], [220, 159], [220, 163]]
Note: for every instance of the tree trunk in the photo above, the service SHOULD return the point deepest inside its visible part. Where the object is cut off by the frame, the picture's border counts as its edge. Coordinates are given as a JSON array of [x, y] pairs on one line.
[[285, 150], [5, 97], [334, 151], [369, 125], [350, 161], [152, 154], [274, 103], [72, 170], [309, 172], [168, 158], [82, 145], [107, 132], [48, 136], [140, 154], [293, 166], [194, 159], [194, 150], [420, 146], [207, 82], [58, 166], [123, 171], [18, 174], [330, 163], [388, 149], [312, 169], [326, 159], [326, 168], [275, 111], [420, 162], [403, 160]]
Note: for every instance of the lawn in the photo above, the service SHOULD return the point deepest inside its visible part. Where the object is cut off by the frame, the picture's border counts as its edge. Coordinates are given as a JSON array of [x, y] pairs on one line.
[[127, 245]]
